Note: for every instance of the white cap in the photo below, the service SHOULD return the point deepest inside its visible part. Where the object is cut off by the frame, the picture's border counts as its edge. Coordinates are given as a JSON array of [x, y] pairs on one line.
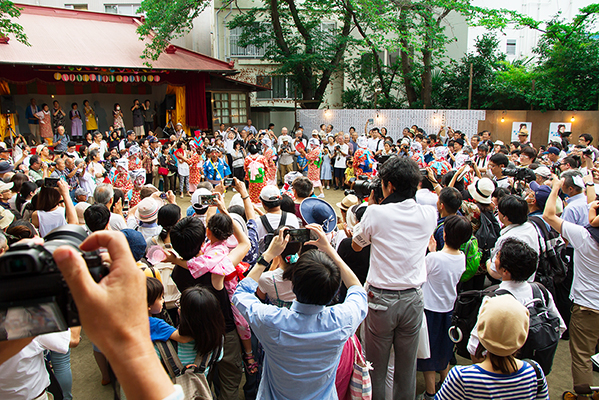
[[270, 193], [543, 171], [195, 197]]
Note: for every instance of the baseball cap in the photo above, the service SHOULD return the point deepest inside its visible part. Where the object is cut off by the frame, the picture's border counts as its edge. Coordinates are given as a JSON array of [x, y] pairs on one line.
[[6, 218], [137, 243], [541, 192], [5, 186], [195, 198], [552, 150], [5, 166], [543, 171], [498, 143], [270, 193], [72, 144]]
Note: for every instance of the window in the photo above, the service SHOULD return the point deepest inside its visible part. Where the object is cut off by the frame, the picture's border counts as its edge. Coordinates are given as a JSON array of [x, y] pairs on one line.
[[229, 108], [76, 6], [125, 9], [282, 87], [510, 47], [238, 51], [328, 29]]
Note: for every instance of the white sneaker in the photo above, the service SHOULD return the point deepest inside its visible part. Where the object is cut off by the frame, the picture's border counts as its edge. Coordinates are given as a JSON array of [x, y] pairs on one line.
[[321, 196]]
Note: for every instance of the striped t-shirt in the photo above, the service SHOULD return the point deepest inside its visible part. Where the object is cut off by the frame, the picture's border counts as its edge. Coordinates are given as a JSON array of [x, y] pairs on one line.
[[473, 382]]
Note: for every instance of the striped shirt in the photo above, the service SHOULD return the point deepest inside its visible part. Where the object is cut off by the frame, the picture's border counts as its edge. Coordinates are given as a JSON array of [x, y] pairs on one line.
[[473, 382]]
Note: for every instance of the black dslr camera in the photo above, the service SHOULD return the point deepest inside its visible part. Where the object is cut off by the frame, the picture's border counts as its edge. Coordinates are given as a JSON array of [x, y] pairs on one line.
[[520, 174], [34, 298], [364, 186]]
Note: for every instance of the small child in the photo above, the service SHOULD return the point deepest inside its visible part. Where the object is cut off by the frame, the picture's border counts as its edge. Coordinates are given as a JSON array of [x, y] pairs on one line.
[[444, 269], [350, 174], [213, 259], [159, 329]]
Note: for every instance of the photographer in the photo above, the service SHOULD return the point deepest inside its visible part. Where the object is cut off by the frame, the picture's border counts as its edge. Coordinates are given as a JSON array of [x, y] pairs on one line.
[[285, 153], [404, 148], [396, 275], [341, 152]]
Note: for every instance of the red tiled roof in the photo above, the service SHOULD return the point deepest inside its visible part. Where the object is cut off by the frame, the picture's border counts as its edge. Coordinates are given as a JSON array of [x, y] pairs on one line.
[[90, 39]]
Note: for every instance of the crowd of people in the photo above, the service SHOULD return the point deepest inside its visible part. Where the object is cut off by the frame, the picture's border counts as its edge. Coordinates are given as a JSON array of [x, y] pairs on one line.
[[275, 285]]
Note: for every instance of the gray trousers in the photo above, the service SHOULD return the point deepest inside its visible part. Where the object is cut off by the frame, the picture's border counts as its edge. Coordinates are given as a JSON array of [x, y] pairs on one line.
[[394, 318]]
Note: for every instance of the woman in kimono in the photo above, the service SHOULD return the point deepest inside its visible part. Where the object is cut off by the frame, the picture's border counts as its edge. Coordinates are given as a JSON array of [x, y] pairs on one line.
[[76, 122], [90, 117]]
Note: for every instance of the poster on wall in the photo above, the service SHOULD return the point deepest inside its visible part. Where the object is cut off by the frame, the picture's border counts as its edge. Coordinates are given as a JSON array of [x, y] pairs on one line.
[[518, 127], [556, 128]]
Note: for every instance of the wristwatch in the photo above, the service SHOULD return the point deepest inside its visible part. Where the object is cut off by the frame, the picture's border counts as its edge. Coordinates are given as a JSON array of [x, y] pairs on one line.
[[589, 184], [263, 262]]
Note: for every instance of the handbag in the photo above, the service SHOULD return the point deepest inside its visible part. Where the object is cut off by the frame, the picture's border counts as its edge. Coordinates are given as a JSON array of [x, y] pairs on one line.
[[191, 377], [360, 386], [162, 171]]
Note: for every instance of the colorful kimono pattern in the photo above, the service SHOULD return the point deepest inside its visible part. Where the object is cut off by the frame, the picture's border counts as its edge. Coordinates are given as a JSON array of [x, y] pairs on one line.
[[271, 172], [45, 124], [363, 162], [215, 171], [123, 182], [256, 167], [134, 196], [195, 171], [314, 163]]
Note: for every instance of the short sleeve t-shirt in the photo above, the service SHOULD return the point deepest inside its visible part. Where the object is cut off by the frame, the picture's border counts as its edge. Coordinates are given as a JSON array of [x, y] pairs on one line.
[[585, 286], [443, 272], [284, 289], [160, 330]]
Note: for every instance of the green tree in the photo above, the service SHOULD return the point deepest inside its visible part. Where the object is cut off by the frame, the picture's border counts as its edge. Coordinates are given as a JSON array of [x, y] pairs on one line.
[[296, 41], [416, 32], [9, 12], [568, 69]]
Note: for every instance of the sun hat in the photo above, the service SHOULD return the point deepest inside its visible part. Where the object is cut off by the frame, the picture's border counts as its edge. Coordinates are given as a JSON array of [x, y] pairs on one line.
[[147, 210], [137, 243], [266, 141], [313, 142], [6, 186], [523, 133], [270, 193], [498, 143], [6, 218], [481, 190], [502, 325], [348, 201], [195, 198], [317, 211]]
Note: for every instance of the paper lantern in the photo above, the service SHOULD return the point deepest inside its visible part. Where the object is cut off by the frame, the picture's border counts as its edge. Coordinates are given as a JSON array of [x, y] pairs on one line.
[[85, 78], [72, 77], [119, 78], [131, 78], [79, 78], [57, 76], [136, 78], [65, 77], [150, 78], [92, 77], [156, 78], [125, 78], [105, 79], [111, 78], [143, 78]]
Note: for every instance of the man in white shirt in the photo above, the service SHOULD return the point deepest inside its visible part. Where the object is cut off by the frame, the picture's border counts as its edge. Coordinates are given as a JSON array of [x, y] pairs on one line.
[[376, 144], [513, 214], [341, 152], [129, 139], [496, 164], [24, 376], [270, 196], [398, 231]]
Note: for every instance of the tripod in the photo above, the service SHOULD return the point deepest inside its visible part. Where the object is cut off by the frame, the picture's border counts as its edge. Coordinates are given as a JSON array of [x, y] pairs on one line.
[[169, 127], [9, 131]]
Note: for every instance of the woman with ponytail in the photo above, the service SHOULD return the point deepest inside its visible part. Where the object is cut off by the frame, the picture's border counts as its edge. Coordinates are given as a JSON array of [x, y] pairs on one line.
[[25, 194]]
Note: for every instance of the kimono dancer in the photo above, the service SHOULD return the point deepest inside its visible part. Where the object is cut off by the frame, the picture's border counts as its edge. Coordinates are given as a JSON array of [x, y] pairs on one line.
[[314, 157], [270, 155], [363, 159], [256, 167], [215, 169]]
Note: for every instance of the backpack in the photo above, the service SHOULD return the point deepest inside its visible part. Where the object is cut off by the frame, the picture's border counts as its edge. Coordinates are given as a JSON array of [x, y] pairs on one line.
[[191, 377], [473, 257], [486, 237], [270, 232], [543, 330], [552, 266], [472, 253], [465, 315]]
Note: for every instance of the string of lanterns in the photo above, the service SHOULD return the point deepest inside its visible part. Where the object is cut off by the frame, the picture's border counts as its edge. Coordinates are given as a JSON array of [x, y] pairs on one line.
[[106, 78]]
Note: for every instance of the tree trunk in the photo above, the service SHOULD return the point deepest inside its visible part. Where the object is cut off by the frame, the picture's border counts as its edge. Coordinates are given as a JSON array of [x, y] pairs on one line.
[[427, 78]]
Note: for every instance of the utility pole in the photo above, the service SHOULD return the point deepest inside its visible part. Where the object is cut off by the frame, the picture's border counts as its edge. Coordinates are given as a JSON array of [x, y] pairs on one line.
[[470, 88]]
